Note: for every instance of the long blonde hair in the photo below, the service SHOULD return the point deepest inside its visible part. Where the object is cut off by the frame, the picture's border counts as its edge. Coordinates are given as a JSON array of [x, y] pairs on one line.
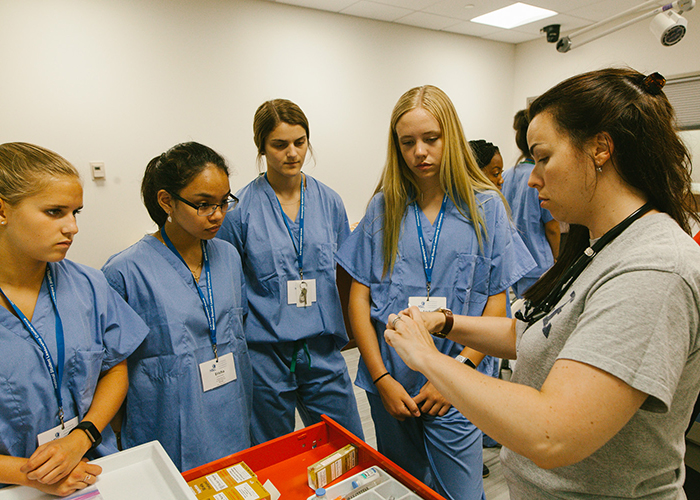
[[460, 176]]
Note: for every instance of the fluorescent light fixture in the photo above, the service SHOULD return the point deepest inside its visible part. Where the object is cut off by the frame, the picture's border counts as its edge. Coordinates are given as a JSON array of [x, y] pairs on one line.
[[514, 15]]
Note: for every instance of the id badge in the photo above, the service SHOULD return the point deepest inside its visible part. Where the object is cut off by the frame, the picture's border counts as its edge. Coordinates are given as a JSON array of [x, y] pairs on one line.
[[217, 373], [301, 292], [57, 432], [426, 304]]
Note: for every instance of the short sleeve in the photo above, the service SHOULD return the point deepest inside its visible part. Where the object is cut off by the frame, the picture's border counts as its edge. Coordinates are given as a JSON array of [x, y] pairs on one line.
[[356, 253], [635, 326], [510, 258], [121, 328]]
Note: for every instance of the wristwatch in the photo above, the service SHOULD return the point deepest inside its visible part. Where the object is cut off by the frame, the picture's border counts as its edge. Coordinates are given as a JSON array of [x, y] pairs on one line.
[[465, 361], [92, 433], [449, 321]]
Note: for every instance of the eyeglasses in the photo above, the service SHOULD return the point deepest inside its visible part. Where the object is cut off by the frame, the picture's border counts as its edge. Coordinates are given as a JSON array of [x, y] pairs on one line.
[[207, 209]]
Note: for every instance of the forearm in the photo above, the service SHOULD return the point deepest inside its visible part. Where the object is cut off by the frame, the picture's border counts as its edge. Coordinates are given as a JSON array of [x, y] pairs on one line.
[[363, 331], [494, 336], [109, 394], [578, 409], [495, 307], [10, 470]]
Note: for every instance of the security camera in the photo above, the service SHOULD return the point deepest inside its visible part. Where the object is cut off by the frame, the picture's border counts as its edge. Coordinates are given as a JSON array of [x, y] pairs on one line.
[[552, 31], [564, 45], [669, 27]]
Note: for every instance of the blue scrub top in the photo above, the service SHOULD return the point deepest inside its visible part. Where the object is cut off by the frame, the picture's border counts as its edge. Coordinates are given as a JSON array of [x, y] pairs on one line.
[[101, 330], [165, 399], [256, 228], [529, 218], [464, 273]]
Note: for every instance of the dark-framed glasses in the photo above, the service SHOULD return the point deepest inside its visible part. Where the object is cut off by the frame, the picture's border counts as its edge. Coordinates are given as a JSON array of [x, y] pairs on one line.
[[207, 209]]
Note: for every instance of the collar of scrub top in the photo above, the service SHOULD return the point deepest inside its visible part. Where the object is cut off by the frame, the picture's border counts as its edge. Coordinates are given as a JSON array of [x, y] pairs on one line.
[[535, 312], [300, 250], [55, 370], [429, 263], [208, 300]]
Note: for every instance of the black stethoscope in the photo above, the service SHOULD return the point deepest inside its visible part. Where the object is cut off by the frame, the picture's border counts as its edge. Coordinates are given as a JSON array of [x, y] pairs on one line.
[[535, 312]]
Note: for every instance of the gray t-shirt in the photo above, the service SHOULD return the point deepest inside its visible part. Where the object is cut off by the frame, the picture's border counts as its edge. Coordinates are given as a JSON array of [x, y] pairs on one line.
[[634, 313]]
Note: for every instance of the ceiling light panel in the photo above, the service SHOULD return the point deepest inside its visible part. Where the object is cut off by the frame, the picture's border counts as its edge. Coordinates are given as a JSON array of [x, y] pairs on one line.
[[514, 15]]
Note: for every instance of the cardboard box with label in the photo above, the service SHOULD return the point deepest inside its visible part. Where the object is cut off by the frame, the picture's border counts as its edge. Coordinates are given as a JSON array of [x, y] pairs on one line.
[[237, 482]]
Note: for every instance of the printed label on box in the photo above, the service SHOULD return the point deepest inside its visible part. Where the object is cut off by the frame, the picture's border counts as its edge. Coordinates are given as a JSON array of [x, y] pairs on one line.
[[221, 496], [216, 482], [247, 492], [238, 473]]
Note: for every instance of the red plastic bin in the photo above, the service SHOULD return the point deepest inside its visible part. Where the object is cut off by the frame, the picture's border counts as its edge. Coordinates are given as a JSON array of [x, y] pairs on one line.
[[284, 460]]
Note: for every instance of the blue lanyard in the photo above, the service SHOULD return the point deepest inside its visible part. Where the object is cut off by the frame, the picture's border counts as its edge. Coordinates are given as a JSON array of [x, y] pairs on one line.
[[209, 310], [428, 264], [55, 371], [300, 251]]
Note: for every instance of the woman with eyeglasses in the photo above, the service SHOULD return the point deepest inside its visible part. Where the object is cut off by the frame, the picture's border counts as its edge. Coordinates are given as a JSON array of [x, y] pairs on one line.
[[190, 380], [287, 228], [608, 341]]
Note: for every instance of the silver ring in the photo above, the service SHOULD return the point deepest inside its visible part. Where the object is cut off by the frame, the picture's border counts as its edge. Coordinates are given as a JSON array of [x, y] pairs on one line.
[[393, 323], [87, 478]]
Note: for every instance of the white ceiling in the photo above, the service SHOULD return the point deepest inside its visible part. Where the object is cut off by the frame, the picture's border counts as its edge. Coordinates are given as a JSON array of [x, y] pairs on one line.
[[454, 15]]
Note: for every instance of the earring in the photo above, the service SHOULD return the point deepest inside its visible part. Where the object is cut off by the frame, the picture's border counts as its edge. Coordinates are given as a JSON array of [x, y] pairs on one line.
[[170, 219], [599, 169], [3, 222]]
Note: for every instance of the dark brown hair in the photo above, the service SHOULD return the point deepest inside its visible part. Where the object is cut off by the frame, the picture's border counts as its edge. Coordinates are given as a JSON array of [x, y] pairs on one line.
[[520, 123], [648, 154]]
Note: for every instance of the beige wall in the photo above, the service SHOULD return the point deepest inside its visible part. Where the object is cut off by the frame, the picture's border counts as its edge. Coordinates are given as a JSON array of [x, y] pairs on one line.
[[121, 81]]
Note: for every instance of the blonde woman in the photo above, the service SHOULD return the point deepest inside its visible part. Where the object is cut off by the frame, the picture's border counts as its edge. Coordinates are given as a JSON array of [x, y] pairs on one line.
[[64, 333], [435, 235]]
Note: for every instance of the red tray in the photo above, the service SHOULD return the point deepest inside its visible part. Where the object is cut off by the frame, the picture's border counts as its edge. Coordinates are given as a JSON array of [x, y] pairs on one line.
[[284, 460]]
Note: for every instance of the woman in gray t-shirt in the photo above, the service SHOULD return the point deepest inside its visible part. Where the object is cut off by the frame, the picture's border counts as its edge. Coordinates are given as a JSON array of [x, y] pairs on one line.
[[607, 341]]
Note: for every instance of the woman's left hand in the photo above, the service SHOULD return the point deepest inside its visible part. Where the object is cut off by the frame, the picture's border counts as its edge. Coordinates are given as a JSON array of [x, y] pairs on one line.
[[53, 461], [411, 339], [433, 403]]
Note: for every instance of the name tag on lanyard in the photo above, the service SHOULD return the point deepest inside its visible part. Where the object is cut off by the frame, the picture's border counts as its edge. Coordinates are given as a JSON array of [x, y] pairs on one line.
[[301, 292], [57, 432], [426, 304], [217, 373]]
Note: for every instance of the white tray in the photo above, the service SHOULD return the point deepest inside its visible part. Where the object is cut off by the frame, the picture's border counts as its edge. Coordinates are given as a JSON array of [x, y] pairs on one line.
[[144, 471], [388, 489]]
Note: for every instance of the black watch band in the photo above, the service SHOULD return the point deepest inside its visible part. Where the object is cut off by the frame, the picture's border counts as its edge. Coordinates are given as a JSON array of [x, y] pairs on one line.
[[465, 361], [92, 433]]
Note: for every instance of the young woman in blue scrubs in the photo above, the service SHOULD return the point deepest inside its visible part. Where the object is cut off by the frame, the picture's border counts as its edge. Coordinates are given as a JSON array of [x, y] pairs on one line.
[[287, 228], [64, 333], [436, 235], [190, 381]]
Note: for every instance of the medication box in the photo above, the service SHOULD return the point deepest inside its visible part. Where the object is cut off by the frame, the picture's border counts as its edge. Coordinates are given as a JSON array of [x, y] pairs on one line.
[[237, 482], [332, 467], [370, 484]]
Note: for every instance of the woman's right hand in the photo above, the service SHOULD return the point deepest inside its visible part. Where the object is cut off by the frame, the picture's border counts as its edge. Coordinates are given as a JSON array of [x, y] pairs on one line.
[[396, 400], [83, 475], [433, 321]]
